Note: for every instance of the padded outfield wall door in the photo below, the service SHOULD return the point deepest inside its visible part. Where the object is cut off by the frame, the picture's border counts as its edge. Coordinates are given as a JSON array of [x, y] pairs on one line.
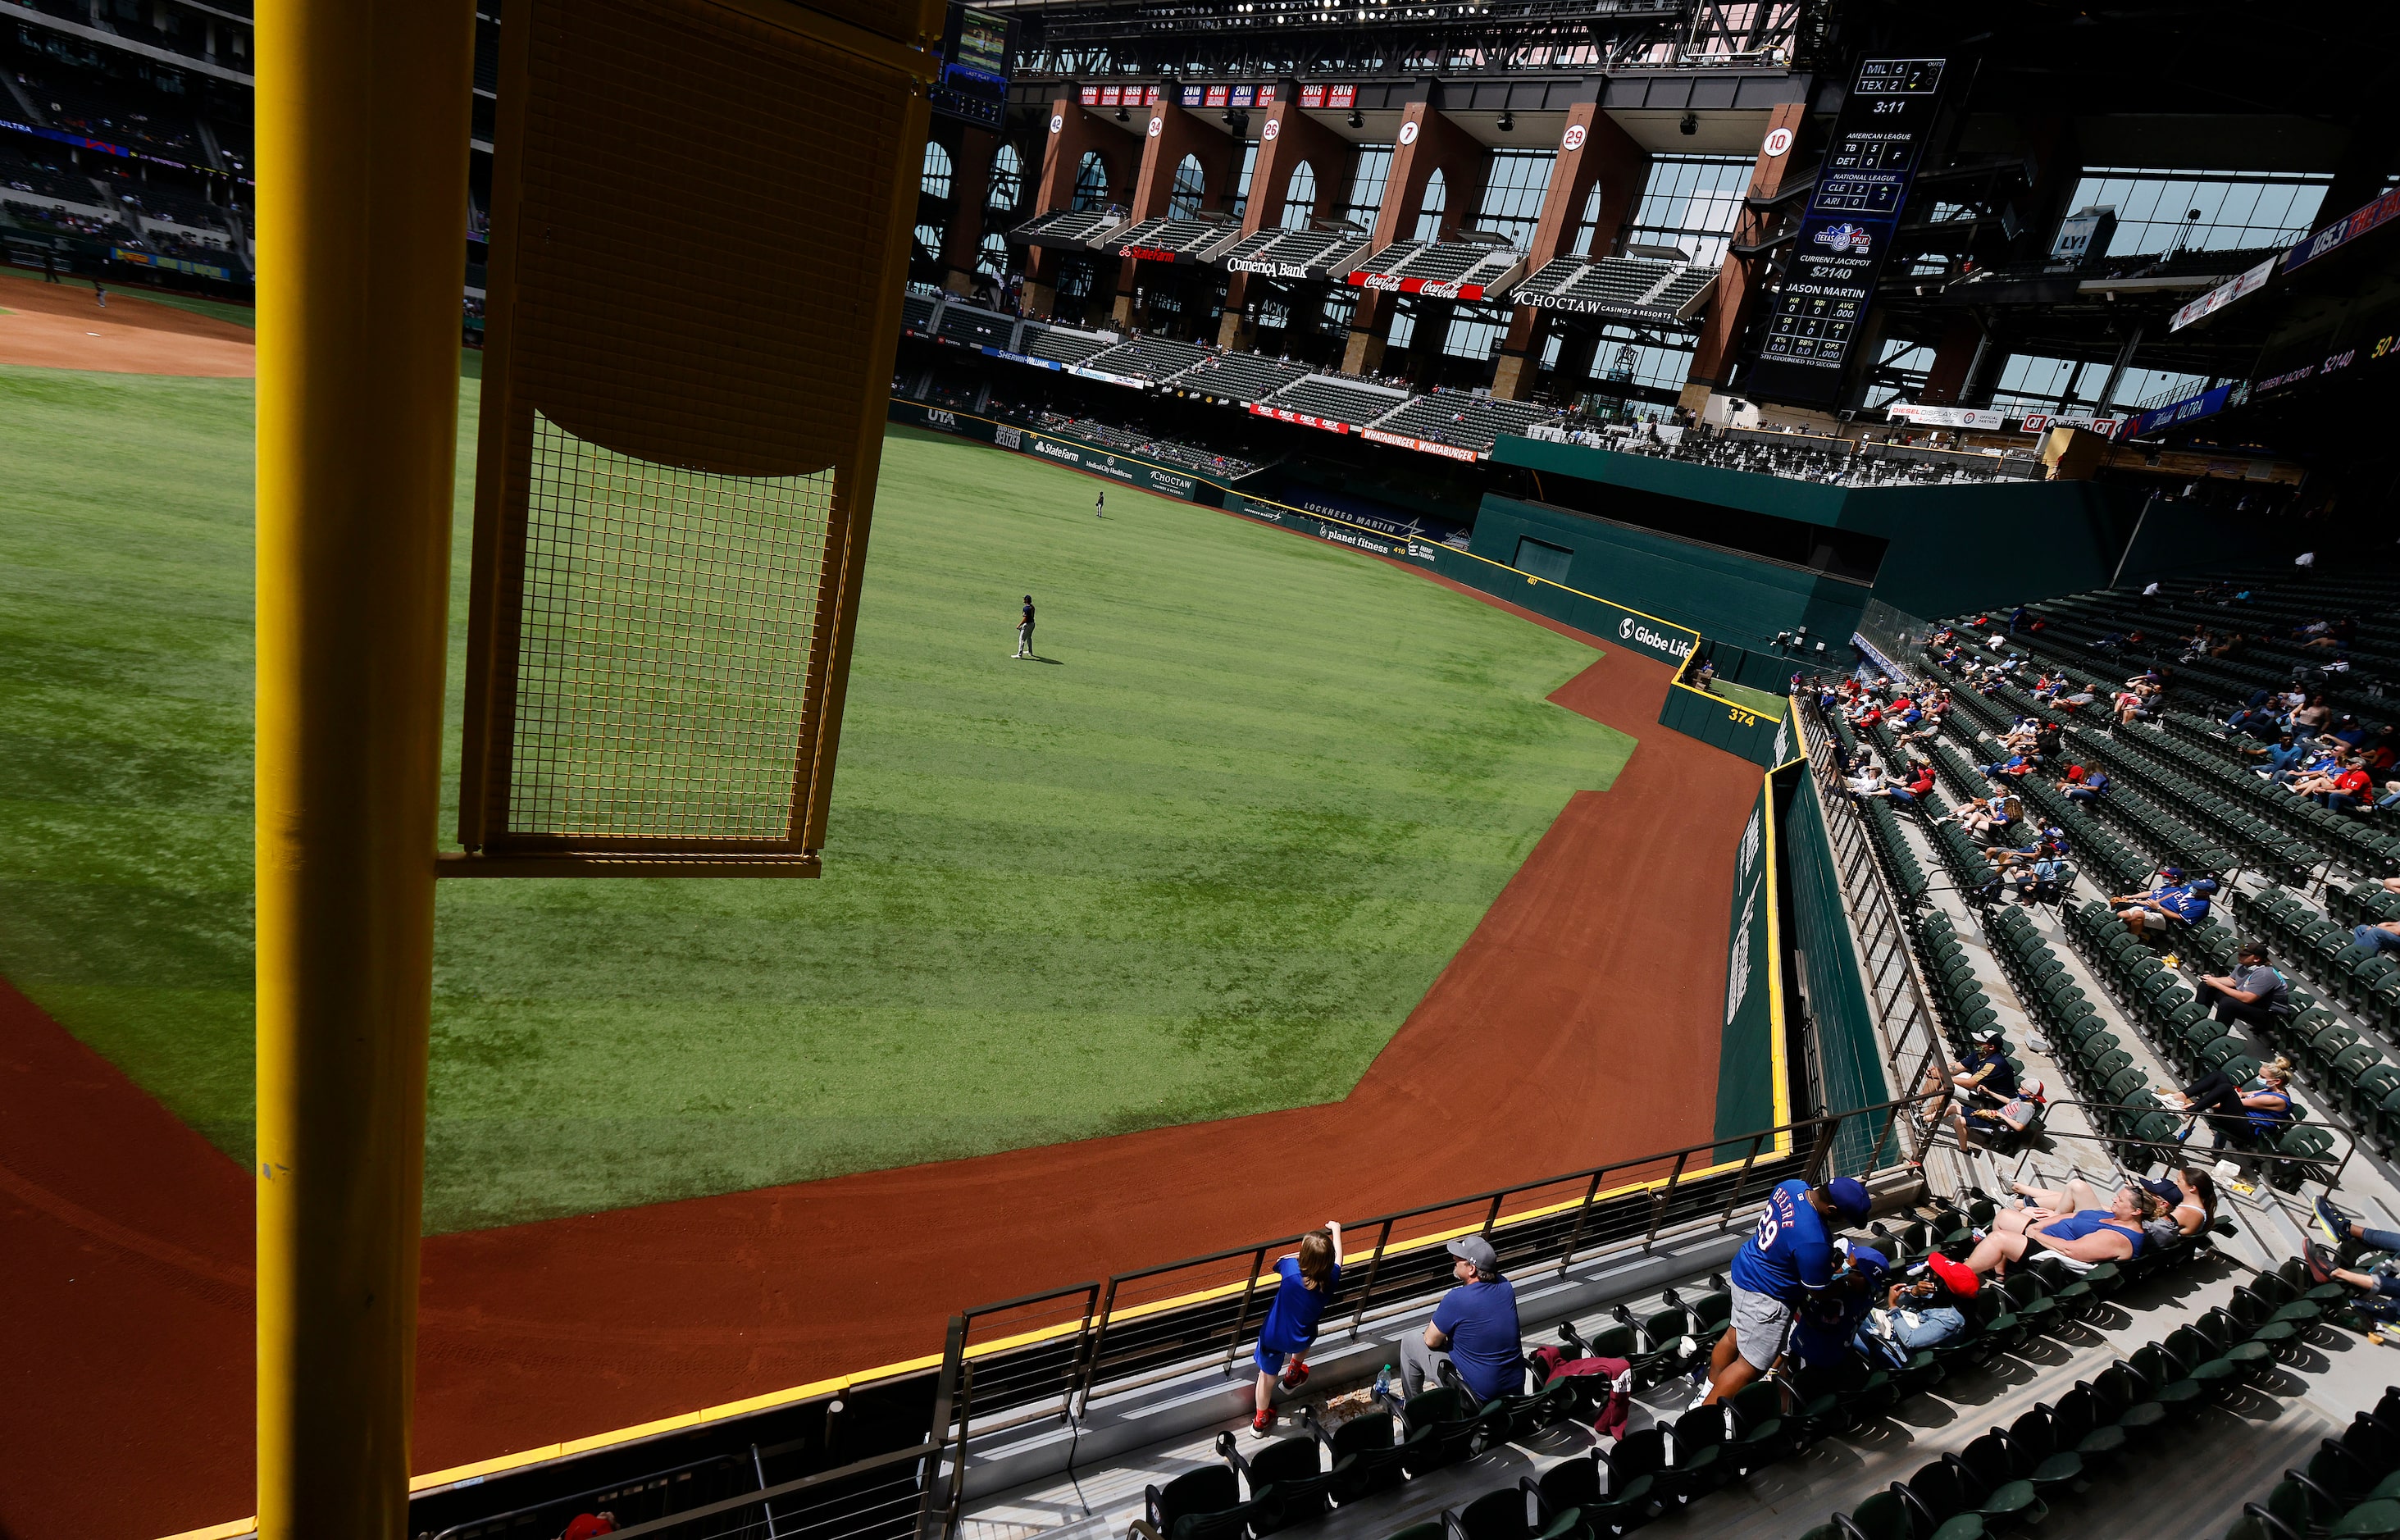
[[701, 221]]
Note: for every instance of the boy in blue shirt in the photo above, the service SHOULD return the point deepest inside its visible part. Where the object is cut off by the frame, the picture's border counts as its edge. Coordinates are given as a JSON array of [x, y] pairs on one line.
[[1306, 1280], [1787, 1258]]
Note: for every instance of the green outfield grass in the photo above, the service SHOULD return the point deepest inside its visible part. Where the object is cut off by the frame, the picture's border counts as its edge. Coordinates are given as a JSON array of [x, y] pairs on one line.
[[1204, 864], [1758, 701]]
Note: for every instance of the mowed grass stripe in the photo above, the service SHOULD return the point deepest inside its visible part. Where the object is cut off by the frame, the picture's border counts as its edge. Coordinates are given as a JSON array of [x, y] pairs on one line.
[[1202, 864]]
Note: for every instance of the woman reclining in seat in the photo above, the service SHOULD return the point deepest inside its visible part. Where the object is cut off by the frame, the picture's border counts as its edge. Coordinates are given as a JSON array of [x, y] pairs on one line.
[[1991, 820], [2187, 1199], [2090, 1233], [2190, 1197]]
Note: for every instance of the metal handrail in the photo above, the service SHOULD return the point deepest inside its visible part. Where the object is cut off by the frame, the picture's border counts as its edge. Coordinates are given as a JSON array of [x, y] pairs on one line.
[[497, 1521], [915, 1455], [1874, 912], [2181, 1149]]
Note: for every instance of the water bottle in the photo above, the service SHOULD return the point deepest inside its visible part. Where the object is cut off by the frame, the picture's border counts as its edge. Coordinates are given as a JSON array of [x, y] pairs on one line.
[[1383, 1381]]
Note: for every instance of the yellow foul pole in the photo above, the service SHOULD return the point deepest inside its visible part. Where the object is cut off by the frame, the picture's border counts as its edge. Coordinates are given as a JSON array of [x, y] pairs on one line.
[[362, 125]]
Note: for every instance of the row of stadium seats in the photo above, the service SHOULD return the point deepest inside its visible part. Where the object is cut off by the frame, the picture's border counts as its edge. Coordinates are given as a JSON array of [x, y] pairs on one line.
[[2010, 1476], [1464, 420], [2351, 1486], [1648, 1473]]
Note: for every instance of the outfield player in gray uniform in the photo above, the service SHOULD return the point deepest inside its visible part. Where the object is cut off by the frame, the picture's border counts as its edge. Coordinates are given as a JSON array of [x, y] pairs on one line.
[[1025, 630]]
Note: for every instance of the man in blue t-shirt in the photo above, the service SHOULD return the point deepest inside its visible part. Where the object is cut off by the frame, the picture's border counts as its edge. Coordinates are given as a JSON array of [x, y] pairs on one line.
[[1787, 1258], [1475, 1328]]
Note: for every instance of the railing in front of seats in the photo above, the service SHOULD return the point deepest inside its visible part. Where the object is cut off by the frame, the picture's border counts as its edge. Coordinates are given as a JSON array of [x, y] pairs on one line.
[[1904, 1018], [1044, 1358]]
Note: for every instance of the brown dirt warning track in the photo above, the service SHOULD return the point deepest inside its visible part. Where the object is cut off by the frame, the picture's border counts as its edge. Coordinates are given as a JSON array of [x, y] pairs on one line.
[[1578, 1024], [60, 326]]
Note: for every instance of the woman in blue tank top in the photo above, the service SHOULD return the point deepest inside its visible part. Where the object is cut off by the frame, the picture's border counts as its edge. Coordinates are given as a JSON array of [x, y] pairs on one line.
[[2092, 1230]]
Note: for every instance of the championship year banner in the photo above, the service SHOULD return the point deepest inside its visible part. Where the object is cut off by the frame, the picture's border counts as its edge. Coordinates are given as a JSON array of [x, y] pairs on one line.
[[1846, 233]]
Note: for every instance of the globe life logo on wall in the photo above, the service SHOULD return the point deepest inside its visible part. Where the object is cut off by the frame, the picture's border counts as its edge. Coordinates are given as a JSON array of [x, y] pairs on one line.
[[1777, 141], [1641, 635], [1574, 140], [1408, 133]]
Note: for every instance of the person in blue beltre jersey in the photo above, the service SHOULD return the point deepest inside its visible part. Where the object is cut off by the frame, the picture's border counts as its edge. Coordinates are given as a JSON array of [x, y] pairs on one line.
[[1787, 1258], [1307, 1279]]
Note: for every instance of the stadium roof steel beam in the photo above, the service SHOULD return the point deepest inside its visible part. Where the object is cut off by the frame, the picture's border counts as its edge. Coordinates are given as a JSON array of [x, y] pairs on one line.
[[1284, 37]]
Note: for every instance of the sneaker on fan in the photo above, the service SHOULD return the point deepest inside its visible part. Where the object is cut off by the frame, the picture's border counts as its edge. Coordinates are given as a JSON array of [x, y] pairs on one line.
[[2320, 1263], [2332, 1221], [1261, 1424], [1295, 1376]]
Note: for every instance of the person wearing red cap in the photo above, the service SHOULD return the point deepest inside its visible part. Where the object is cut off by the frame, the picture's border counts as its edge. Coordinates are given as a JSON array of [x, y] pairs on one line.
[[587, 1525]]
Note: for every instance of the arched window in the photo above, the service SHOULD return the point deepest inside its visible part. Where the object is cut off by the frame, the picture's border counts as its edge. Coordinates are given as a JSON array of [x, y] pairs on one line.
[[1007, 180], [1299, 198], [1092, 182], [929, 244], [936, 180], [1429, 212], [1191, 189], [993, 256], [1588, 230]]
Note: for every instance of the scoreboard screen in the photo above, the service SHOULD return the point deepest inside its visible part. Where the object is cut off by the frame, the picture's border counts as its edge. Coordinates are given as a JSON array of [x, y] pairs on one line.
[[1845, 233], [979, 49]]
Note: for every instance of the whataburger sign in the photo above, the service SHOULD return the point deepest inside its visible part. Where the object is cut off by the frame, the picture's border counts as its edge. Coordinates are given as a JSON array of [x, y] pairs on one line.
[[1426, 446]]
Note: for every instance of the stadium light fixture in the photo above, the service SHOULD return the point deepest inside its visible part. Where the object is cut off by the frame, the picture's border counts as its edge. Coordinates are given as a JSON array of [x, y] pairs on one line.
[[1356, 122], [1689, 126], [1507, 122]]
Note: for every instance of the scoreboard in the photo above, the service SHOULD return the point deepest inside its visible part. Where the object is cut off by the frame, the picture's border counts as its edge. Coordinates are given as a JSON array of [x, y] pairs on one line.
[[1846, 230], [978, 47]]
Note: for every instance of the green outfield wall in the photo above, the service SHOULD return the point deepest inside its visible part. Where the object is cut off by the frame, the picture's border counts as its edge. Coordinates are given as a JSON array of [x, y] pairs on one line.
[[1659, 535]]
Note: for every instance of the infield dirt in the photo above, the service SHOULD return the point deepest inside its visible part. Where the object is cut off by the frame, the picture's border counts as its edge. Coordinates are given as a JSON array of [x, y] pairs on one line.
[[62, 326]]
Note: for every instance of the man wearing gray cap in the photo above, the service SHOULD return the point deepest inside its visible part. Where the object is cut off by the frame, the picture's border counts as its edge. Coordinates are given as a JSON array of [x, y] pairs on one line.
[[1475, 1328]]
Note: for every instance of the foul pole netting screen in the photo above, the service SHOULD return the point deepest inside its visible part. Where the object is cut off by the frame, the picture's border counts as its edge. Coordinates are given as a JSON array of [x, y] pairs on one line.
[[700, 232]]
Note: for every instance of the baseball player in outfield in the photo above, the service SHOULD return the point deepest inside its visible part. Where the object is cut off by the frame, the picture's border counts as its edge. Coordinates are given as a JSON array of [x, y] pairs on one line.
[[1025, 630]]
